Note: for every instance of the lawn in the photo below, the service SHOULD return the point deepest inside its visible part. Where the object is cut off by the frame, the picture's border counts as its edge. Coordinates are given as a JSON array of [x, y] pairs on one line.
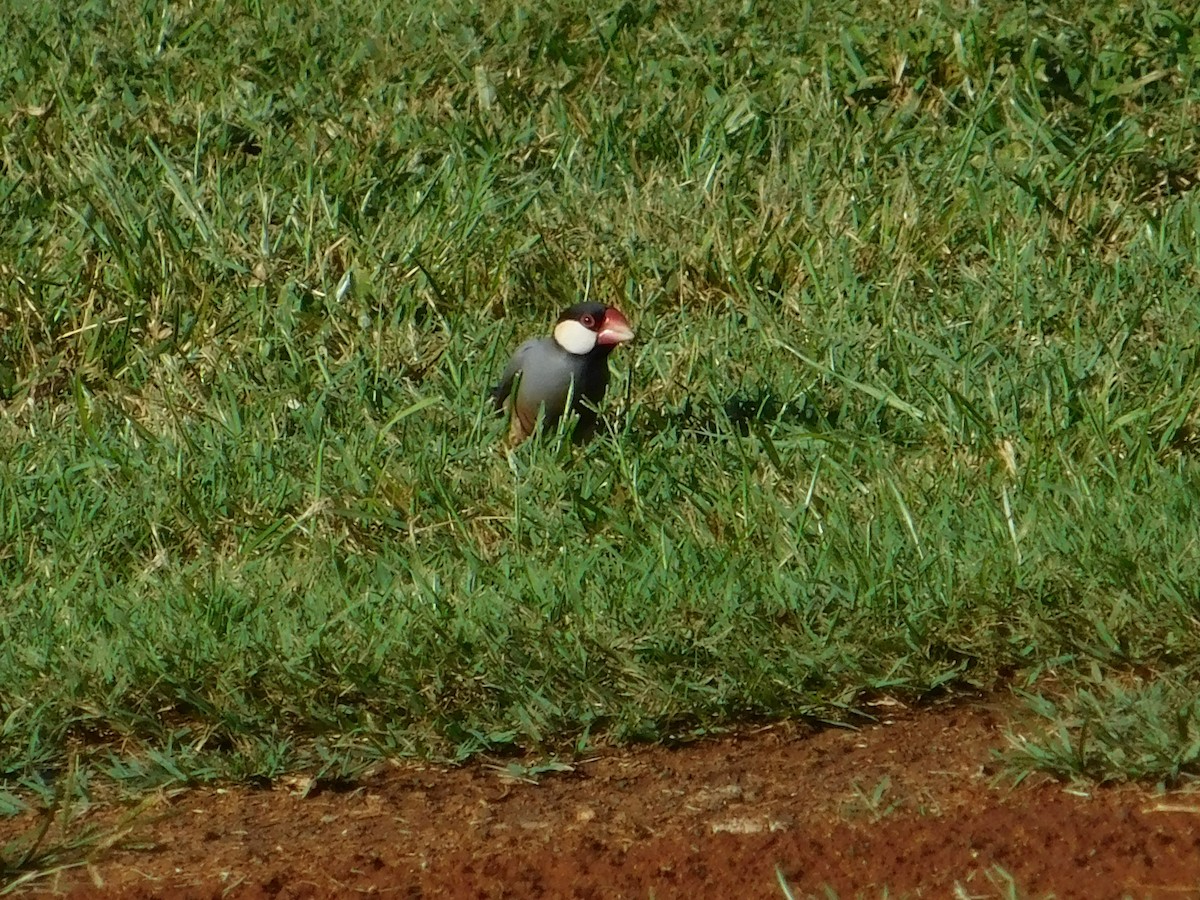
[[914, 405]]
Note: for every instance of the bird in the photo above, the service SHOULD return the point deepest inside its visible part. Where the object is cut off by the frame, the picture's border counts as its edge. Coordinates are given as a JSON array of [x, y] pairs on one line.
[[570, 365]]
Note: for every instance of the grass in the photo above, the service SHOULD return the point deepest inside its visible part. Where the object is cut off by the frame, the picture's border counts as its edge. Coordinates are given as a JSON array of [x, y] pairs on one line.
[[913, 406]]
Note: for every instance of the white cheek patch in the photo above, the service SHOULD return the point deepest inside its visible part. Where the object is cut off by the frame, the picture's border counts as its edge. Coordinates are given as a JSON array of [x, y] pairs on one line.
[[573, 337]]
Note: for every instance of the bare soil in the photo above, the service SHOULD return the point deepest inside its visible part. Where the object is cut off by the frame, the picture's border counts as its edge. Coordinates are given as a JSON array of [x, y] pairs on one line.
[[917, 804]]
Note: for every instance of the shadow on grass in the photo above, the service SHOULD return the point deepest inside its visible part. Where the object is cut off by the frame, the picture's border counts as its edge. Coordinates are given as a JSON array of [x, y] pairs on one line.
[[743, 413]]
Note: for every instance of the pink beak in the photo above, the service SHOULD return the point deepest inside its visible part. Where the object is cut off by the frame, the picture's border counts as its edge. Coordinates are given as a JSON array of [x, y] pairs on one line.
[[614, 329]]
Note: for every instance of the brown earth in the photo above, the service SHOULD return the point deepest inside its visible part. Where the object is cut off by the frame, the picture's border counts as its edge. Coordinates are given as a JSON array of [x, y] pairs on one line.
[[916, 805]]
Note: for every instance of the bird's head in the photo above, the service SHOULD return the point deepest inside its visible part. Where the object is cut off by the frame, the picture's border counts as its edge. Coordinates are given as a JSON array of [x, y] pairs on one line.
[[586, 327]]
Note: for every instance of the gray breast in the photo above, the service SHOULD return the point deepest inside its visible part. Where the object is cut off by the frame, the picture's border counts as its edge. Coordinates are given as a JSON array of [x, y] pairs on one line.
[[547, 375]]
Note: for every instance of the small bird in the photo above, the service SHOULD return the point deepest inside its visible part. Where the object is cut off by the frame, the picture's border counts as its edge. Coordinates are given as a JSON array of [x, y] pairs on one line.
[[570, 364]]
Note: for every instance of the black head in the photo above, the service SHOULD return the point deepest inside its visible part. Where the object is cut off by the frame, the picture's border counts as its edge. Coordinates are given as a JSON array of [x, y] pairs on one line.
[[591, 327]]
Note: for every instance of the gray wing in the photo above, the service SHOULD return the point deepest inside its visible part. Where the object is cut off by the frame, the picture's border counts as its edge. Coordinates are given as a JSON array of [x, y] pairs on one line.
[[501, 391]]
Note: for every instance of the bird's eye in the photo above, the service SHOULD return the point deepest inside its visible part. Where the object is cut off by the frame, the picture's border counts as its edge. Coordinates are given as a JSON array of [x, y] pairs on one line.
[[588, 321]]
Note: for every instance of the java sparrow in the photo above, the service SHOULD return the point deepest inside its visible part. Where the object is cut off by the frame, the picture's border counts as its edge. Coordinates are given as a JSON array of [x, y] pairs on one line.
[[572, 363]]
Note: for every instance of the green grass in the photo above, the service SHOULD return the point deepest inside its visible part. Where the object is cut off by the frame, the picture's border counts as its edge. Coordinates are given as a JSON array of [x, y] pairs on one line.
[[913, 406]]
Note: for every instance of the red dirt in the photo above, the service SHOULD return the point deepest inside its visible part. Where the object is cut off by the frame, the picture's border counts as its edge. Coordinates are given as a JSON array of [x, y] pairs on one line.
[[915, 805]]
